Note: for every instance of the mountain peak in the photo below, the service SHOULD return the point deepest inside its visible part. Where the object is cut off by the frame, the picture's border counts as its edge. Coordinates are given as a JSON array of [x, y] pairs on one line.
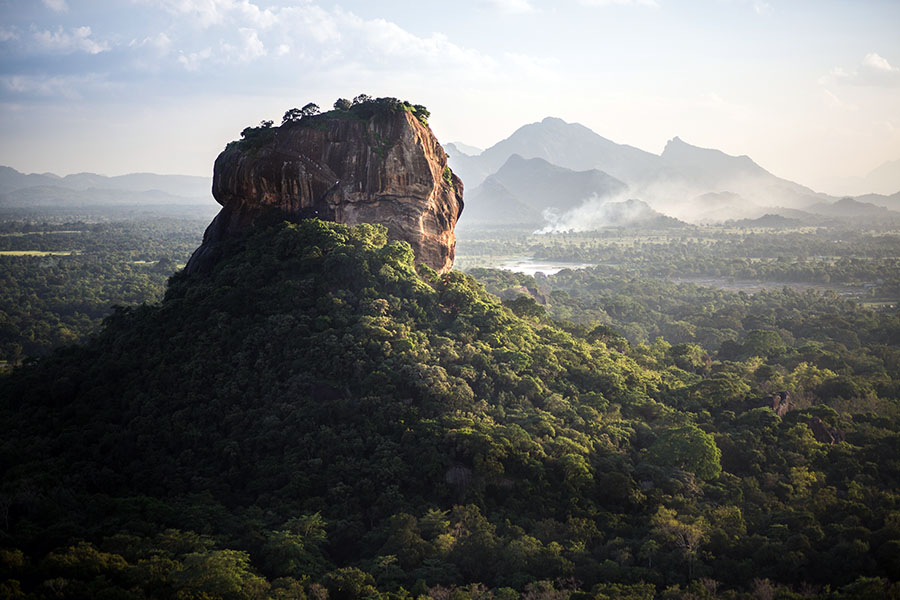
[[676, 144], [553, 121], [677, 150]]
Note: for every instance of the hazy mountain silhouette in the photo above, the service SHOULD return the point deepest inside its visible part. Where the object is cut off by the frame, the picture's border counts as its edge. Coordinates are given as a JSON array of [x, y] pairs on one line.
[[568, 145], [769, 221], [882, 180], [848, 207], [674, 182], [492, 204], [885, 178], [461, 148], [543, 185], [184, 186], [522, 189], [703, 170], [681, 181], [891, 202]]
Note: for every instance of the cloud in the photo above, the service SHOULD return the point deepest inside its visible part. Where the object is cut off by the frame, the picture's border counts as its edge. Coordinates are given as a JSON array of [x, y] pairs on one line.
[[60, 86], [511, 6], [193, 60], [204, 12], [204, 36], [8, 34], [207, 13], [250, 48], [874, 70], [247, 49], [159, 43], [833, 101], [619, 2], [56, 5], [393, 44], [237, 32], [533, 67], [75, 40], [878, 63], [761, 7]]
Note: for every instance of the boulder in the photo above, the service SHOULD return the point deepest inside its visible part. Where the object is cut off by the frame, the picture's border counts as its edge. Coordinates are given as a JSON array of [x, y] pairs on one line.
[[823, 433], [386, 168]]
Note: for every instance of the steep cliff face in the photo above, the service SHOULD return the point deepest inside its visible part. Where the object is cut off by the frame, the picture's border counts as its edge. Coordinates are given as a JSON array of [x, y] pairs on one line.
[[387, 169]]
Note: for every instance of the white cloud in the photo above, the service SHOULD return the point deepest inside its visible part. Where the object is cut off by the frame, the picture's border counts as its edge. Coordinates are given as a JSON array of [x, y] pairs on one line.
[[75, 40], [533, 67], [309, 22], [49, 86], [160, 43], [193, 60], [396, 47], [761, 7], [249, 49], [833, 101], [511, 6], [619, 2], [205, 12], [874, 70], [216, 12], [878, 63], [56, 5], [8, 34], [329, 39]]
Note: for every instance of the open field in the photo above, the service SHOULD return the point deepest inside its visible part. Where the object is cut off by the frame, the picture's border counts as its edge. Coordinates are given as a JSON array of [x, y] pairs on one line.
[[38, 252]]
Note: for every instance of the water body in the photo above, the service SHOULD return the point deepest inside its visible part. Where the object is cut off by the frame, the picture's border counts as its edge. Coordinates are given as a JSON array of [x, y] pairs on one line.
[[530, 266]]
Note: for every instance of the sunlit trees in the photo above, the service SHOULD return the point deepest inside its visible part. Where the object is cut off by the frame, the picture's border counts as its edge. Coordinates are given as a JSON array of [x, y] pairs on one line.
[[684, 534], [688, 448]]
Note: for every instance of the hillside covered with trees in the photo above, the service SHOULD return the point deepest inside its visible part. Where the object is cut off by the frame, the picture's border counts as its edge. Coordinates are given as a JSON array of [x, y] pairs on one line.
[[318, 418]]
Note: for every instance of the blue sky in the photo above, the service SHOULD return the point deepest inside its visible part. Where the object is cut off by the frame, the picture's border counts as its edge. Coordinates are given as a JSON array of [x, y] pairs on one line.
[[809, 88]]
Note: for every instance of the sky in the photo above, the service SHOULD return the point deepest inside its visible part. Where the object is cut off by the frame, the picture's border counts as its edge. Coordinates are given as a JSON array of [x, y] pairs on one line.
[[810, 89]]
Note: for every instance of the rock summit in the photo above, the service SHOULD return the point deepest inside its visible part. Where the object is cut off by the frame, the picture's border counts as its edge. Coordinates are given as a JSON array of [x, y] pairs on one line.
[[373, 161]]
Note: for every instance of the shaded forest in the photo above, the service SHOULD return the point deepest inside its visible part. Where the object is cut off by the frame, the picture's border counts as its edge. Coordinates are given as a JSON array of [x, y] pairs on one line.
[[319, 418]]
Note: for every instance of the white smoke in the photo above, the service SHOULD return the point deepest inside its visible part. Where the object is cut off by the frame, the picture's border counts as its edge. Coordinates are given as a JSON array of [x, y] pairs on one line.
[[738, 198], [596, 213]]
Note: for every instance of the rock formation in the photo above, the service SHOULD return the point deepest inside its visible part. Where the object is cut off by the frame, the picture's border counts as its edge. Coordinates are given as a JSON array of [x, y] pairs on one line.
[[781, 403], [823, 433], [381, 165]]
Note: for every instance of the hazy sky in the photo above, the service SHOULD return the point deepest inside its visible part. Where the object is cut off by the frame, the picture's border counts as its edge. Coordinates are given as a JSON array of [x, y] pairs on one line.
[[808, 88]]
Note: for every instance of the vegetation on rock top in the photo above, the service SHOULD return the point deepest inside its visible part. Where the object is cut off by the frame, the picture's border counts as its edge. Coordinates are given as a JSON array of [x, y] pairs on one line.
[[362, 107]]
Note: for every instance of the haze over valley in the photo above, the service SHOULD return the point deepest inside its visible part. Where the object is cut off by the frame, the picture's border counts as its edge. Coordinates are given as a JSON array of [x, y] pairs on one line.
[[560, 176]]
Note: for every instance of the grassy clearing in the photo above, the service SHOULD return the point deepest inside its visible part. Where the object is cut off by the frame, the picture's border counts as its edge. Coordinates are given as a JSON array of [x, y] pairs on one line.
[[880, 304], [38, 252], [22, 234]]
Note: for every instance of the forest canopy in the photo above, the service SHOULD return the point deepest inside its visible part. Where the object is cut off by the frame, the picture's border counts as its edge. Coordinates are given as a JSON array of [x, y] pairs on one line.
[[321, 417]]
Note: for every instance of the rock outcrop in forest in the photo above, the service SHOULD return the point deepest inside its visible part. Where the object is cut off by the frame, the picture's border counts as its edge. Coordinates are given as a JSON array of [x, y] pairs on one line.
[[375, 161]]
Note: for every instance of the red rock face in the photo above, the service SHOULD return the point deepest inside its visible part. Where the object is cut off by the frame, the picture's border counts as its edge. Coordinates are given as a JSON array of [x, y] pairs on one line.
[[389, 169]]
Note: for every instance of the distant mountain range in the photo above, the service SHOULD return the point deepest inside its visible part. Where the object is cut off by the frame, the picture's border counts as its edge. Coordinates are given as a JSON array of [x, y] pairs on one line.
[[89, 189], [522, 190], [568, 145], [546, 169], [461, 148], [883, 180], [546, 174]]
